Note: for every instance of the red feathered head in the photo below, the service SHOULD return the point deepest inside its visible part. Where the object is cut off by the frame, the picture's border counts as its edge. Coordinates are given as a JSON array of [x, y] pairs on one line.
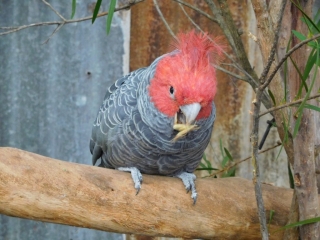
[[187, 76]]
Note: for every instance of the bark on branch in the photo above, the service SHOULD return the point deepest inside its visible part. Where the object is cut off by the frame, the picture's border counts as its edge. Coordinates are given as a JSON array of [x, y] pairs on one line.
[[44, 189]]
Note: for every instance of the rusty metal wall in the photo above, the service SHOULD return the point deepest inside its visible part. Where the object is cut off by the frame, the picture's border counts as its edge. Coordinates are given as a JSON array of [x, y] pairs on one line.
[[150, 38], [50, 93]]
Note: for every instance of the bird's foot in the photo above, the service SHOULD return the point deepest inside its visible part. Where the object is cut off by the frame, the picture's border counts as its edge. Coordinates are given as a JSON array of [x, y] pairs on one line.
[[188, 181], [136, 176]]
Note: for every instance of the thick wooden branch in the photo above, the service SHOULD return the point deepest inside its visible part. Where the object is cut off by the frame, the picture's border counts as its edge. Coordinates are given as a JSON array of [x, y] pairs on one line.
[[44, 189]]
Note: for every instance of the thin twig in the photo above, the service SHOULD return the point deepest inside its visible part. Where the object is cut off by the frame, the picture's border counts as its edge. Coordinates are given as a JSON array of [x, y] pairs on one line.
[[54, 10], [19, 28], [197, 10], [292, 50], [240, 161], [225, 20], [274, 45], [235, 64], [287, 105], [216, 66], [256, 166], [163, 19], [55, 30], [231, 73], [190, 19], [255, 126]]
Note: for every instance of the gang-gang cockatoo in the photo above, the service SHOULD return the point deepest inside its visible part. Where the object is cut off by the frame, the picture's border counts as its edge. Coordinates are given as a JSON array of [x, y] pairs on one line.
[[159, 119]]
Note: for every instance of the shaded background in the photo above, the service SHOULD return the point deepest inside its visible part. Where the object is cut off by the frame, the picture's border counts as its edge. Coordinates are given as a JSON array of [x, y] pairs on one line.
[[50, 93]]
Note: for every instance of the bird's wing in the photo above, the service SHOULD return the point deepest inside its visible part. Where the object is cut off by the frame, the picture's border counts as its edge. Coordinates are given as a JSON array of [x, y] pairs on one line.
[[117, 105]]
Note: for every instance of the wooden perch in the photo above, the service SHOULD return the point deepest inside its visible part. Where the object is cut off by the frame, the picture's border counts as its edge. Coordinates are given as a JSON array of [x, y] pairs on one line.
[[45, 189]]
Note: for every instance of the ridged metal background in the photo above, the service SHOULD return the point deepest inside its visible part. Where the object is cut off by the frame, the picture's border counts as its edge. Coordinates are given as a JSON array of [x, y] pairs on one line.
[[50, 93]]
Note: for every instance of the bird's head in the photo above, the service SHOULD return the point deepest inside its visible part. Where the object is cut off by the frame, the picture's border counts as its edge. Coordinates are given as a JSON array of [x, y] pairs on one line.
[[184, 83]]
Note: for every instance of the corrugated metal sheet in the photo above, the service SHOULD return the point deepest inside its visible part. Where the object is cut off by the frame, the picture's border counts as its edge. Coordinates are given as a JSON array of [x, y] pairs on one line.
[[50, 93]]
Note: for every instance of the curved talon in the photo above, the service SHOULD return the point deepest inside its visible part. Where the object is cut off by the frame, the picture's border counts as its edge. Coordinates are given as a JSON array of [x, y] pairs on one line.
[[188, 188], [188, 181], [136, 176], [194, 197]]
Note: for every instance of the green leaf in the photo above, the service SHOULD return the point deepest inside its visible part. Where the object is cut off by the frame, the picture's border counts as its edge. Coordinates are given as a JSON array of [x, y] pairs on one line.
[[204, 156], [230, 173], [272, 97], [297, 125], [291, 180], [96, 10], [228, 154], [74, 5], [221, 148], [206, 160], [110, 14], [271, 216], [312, 59], [206, 168], [317, 18], [306, 16], [299, 35], [206, 165], [313, 44], [300, 223], [312, 107], [202, 165], [303, 80], [313, 28], [224, 162], [300, 109]]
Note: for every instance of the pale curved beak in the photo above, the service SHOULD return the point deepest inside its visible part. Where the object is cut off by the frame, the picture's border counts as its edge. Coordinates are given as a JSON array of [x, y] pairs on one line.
[[190, 112]]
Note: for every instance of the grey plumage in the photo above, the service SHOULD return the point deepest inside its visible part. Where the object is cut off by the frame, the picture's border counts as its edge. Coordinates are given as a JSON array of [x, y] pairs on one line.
[[130, 132]]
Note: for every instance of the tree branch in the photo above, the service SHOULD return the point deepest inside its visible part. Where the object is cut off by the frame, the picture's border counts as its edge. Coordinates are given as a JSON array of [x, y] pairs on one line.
[[235, 163], [163, 19], [256, 165], [226, 23], [45, 189], [287, 105], [64, 21], [231, 73], [197, 10], [288, 54], [54, 10], [274, 46], [216, 66], [255, 126]]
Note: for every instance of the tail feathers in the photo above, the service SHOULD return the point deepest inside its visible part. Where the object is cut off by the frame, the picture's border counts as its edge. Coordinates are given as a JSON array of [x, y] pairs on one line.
[[96, 152]]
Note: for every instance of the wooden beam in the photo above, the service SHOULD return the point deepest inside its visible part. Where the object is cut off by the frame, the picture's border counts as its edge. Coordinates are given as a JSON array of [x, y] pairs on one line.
[[45, 189]]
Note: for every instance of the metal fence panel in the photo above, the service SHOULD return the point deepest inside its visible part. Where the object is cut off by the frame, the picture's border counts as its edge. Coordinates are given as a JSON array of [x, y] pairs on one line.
[[50, 93]]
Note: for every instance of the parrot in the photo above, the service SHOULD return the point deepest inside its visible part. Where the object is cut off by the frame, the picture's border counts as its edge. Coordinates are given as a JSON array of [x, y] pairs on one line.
[[159, 119]]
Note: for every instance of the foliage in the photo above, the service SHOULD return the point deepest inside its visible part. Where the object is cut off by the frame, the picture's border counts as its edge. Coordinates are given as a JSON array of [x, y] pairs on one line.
[[313, 60], [227, 159], [112, 7]]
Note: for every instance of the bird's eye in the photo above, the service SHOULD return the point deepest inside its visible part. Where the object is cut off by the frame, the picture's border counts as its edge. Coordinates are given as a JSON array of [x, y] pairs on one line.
[[171, 90]]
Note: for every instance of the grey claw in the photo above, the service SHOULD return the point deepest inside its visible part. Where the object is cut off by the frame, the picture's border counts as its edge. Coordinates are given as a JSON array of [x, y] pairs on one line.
[[188, 181], [188, 189], [194, 197], [136, 176]]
